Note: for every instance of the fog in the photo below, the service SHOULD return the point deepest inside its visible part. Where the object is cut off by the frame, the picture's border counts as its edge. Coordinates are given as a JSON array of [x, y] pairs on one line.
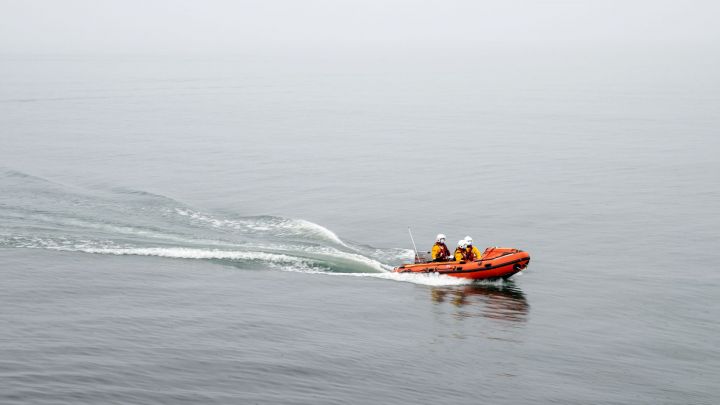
[[229, 26]]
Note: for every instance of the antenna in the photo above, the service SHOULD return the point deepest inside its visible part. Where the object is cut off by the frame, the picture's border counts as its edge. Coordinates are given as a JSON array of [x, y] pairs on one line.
[[414, 247]]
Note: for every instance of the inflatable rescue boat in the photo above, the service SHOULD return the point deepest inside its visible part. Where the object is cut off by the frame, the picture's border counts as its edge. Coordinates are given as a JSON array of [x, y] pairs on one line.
[[494, 263]]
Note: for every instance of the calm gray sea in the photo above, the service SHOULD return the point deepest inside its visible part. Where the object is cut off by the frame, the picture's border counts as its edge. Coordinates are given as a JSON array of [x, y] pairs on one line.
[[219, 228]]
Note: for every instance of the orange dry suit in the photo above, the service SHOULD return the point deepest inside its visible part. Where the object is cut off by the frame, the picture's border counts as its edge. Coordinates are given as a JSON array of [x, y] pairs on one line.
[[439, 252], [472, 253]]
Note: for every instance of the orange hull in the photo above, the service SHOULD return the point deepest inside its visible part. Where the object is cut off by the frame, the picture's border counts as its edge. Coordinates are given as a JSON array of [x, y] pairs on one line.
[[495, 263]]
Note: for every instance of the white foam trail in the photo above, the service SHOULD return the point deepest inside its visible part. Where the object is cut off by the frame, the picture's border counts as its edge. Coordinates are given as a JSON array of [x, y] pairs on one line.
[[283, 226], [185, 253], [276, 260], [113, 229], [285, 254], [318, 229], [324, 252], [430, 279], [194, 253]]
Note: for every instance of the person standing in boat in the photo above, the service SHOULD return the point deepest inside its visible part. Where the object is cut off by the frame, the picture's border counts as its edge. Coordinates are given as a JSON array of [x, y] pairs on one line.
[[471, 252], [461, 251], [440, 251]]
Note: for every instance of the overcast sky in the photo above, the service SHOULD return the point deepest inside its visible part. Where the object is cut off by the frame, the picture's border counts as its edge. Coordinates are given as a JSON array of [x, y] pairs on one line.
[[225, 25]]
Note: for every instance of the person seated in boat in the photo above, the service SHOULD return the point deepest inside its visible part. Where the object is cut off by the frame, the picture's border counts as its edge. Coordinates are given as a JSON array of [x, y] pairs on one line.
[[471, 252], [440, 251], [460, 251]]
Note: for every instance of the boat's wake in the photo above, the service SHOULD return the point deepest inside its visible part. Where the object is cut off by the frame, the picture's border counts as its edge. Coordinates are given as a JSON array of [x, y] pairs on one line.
[[39, 214]]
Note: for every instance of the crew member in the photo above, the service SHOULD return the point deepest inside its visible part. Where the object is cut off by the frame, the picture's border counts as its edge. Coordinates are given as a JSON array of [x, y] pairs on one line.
[[471, 252], [460, 251], [440, 251]]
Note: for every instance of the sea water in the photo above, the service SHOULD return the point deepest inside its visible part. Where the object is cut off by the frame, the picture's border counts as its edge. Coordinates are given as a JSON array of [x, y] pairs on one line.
[[220, 228]]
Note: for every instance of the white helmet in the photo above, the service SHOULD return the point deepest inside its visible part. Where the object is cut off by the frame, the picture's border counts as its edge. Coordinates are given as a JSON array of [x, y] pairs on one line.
[[440, 237], [468, 240], [462, 243]]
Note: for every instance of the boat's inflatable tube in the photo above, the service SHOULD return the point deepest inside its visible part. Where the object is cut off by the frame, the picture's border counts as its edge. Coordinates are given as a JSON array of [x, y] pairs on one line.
[[494, 263]]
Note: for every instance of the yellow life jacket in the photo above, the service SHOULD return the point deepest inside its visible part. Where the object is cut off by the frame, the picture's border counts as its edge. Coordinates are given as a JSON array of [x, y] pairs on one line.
[[439, 250], [459, 254], [472, 253]]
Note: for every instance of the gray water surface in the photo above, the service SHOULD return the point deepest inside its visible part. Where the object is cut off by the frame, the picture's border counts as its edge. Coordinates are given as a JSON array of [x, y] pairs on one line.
[[219, 229]]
